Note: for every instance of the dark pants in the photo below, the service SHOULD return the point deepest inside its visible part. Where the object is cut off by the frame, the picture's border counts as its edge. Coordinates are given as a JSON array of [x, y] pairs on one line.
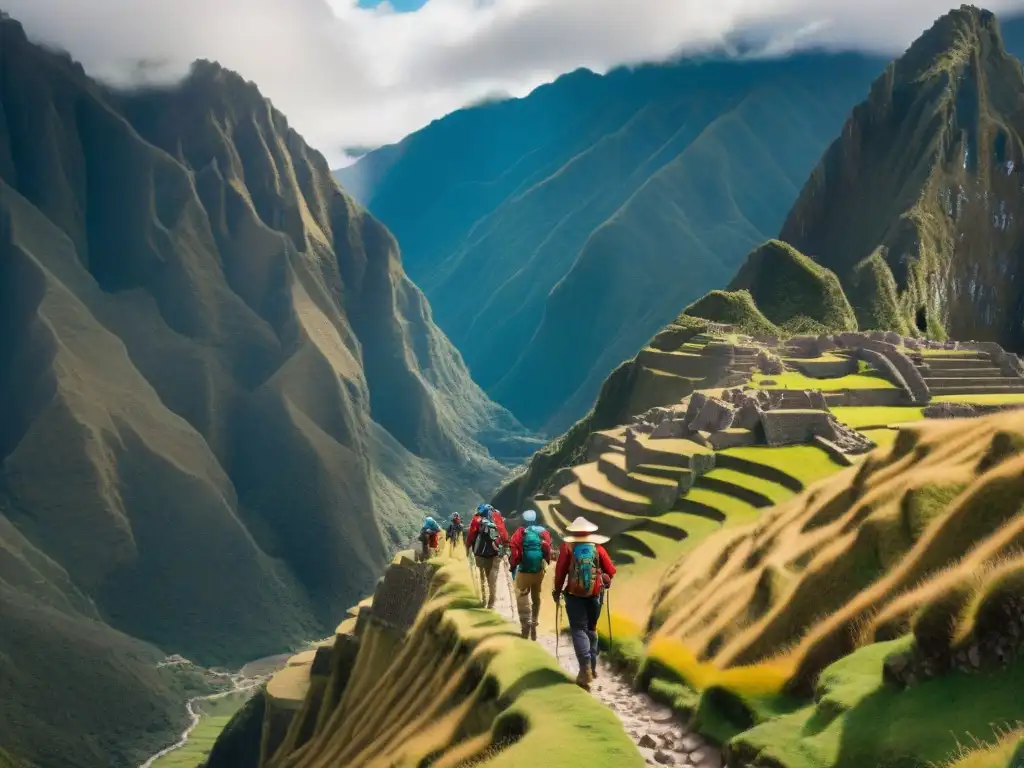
[[583, 613]]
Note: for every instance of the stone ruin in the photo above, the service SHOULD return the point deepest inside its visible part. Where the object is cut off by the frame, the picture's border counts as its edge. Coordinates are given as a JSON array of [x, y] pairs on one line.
[[753, 417]]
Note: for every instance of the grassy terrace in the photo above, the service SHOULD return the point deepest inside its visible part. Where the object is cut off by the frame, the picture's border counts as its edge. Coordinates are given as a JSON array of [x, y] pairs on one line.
[[796, 380], [875, 416], [1009, 398]]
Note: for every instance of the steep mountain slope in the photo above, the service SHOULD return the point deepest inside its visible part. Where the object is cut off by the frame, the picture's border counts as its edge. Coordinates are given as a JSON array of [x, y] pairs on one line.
[[221, 401], [554, 234], [923, 190]]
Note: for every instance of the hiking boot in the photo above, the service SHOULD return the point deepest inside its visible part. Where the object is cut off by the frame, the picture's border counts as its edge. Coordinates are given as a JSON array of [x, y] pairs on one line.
[[584, 678], [525, 632], [533, 631], [593, 671]]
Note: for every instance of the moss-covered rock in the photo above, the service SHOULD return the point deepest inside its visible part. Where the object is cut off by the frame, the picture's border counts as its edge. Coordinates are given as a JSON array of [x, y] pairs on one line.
[[735, 308]]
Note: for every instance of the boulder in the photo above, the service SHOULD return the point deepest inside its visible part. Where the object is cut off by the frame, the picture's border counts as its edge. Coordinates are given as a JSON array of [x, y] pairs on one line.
[[893, 338], [747, 415], [714, 416], [697, 400], [816, 398], [670, 428]]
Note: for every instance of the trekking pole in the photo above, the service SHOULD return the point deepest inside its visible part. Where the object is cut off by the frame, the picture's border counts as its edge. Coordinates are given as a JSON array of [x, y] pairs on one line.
[[608, 599], [511, 591], [558, 622], [472, 576]]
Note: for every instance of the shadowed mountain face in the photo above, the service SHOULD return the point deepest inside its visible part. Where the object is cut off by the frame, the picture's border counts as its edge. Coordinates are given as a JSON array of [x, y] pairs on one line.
[[920, 199], [221, 401], [555, 234]]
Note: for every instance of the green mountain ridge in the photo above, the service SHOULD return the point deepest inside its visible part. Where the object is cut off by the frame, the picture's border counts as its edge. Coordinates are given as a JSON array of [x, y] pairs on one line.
[[222, 402], [574, 223]]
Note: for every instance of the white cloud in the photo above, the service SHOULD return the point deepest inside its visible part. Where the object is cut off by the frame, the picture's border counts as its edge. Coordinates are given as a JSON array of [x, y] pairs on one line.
[[347, 76]]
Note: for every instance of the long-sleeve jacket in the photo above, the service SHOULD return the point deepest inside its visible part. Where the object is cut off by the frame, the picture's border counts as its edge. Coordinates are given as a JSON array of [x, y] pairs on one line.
[[565, 560], [474, 526], [516, 547]]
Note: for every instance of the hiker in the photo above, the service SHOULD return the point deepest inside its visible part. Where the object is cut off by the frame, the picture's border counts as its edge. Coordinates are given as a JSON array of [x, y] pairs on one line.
[[454, 533], [487, 540], [530, 554], [584, 570], [428, 538]]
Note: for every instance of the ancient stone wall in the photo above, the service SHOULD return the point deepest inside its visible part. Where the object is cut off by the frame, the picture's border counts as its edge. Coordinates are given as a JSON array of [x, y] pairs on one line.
[[791, 427], [401, 593]]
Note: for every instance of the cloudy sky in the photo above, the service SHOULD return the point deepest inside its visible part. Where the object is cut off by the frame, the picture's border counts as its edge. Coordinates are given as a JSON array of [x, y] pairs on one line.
[[352, 73]]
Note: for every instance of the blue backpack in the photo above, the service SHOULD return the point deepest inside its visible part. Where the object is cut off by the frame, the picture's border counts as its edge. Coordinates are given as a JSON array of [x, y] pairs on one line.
[[533, 550], [584, 571]]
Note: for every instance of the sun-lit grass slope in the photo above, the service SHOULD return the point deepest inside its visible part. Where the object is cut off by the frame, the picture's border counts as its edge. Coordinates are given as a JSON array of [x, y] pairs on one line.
[[221, 400], [870, 553], [634, 192], [997, 752], [857, 719], [459, 688], [917, 206], [793, 291]]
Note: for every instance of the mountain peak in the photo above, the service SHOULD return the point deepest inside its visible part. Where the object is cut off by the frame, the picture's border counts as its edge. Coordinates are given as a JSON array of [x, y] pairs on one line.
[[950, 42], [925, 180]]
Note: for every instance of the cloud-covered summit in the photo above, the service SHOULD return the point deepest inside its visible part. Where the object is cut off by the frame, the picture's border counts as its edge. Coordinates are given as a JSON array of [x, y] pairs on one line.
[[353, 76]]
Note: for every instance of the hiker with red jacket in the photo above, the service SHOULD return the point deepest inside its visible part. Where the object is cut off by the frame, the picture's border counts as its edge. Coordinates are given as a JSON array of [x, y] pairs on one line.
[[529, 556], [487, 539], [428, 538], [584, 570]]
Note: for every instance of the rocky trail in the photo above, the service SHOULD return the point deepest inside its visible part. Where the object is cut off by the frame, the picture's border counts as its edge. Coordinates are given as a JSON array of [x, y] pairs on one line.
[[661, 737]]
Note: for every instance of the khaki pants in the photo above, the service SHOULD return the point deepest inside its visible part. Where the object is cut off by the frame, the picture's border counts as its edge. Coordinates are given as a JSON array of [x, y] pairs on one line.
[[528, 588], [489, 568]]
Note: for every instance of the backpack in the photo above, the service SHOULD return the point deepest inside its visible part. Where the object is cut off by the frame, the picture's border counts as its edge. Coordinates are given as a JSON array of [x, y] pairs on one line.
[[487, 538], [533, 550], [584, 571]]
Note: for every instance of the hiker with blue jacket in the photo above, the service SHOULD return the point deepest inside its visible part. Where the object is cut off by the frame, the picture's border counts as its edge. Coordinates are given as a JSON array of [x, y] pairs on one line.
[[584, 570], [530, 554]]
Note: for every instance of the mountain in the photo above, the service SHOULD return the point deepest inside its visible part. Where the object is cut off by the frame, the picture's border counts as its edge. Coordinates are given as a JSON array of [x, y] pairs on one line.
[[222, 402], [922, 190], [556, 233]]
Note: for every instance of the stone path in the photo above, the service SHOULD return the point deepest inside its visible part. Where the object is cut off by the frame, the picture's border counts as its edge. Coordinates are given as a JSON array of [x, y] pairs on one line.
[[659, 735]]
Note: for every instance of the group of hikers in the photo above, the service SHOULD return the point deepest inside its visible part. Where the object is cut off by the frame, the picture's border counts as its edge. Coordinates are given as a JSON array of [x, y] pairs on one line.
[[583, 571]]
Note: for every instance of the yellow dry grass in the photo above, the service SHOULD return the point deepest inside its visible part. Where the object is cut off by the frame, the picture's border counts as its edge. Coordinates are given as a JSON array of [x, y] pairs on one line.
[[870, 551]]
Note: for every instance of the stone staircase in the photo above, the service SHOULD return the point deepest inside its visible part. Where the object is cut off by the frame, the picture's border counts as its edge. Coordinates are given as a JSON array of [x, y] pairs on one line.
[[965, 373]]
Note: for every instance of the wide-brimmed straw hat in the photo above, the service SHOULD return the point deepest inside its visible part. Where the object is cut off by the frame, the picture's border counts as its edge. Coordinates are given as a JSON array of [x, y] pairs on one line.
[[582, 531]]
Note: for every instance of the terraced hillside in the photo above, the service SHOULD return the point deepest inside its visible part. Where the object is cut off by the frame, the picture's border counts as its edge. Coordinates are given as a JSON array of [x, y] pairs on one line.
[[222, 402], [782, 596]]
